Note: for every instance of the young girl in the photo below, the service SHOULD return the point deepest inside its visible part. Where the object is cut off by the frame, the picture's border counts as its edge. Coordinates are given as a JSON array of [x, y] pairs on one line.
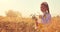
[[46, 14], [45, 18]]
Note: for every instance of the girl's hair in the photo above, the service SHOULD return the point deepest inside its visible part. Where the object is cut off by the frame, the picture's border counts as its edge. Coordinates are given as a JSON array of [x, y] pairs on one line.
[[46, 4]]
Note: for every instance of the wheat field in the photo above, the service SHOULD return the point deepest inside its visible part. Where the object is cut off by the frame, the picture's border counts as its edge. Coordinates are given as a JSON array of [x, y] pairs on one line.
[[14, 23]]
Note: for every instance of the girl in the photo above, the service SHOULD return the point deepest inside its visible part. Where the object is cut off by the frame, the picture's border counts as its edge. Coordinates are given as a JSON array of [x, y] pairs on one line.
[[46, 14], [45, 18]]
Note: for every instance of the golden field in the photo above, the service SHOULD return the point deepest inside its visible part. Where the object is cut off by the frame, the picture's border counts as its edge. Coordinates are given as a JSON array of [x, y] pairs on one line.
[[14, 22]]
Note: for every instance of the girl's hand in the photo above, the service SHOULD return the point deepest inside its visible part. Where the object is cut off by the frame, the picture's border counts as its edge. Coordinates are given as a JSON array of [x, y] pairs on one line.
[[36, 27]]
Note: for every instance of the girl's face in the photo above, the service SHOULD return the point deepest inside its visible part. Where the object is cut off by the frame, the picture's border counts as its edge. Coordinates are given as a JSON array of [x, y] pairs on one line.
[[43, 8]]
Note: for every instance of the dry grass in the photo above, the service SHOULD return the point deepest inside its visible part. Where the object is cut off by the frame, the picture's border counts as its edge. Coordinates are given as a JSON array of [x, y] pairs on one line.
[[27, 25], [19, 24]]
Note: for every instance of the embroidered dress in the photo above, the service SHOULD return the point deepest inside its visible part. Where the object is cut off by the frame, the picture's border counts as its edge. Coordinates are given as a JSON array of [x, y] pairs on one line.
[[46, 19]]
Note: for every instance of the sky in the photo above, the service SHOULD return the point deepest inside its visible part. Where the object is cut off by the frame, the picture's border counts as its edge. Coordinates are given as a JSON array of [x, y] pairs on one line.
[[28, 7]]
